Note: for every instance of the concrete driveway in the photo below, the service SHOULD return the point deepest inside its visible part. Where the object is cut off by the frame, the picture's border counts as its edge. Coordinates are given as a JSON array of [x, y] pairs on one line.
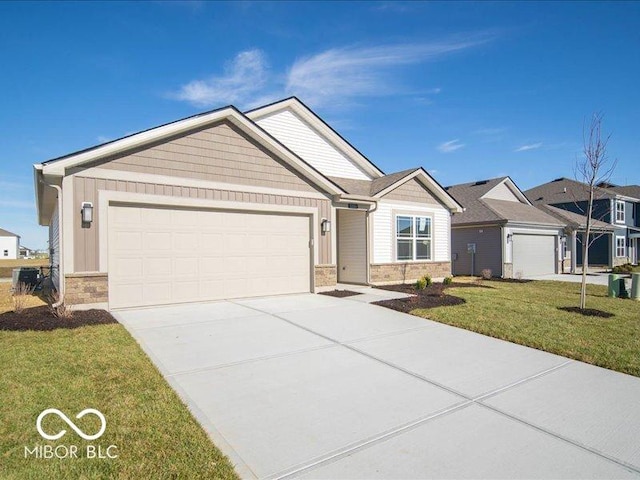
[[309, 386]]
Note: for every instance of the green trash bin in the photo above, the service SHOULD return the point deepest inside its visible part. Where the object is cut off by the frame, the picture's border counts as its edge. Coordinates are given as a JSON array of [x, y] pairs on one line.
[[635, 286], [614, 285]]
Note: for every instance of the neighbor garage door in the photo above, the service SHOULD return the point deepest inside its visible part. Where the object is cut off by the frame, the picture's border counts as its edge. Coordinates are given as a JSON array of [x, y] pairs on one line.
[[162, 255], [534, 255]]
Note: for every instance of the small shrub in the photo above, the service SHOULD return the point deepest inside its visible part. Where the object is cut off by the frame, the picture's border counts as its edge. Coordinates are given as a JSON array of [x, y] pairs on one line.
[[486, 274], [21, 296], [626, 268], [421, 284], [60, 311], [447, 281], [427, 280]]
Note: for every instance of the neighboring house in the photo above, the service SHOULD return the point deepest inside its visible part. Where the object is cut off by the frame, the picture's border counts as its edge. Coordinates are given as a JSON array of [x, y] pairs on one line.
[[26, 252], [9, 245], [501, 231], [618, 209], [228, 204]]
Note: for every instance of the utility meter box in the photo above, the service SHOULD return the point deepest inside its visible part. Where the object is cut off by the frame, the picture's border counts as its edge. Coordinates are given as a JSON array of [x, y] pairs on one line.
[[471, 248]]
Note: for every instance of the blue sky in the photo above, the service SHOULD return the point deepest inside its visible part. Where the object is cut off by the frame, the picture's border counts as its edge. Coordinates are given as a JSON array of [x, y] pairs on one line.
[[466, 90]]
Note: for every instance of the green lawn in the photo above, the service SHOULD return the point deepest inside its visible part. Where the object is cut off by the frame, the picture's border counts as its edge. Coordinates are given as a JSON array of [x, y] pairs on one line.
[[98, 367], [527, 313]]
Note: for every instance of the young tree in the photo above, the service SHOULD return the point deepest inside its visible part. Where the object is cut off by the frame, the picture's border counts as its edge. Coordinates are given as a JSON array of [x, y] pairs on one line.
[[594, 168]]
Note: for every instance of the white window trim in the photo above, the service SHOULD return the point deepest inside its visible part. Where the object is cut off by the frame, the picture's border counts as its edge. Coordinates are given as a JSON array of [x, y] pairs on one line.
[[620, 202], [415, 238], [624, 246]]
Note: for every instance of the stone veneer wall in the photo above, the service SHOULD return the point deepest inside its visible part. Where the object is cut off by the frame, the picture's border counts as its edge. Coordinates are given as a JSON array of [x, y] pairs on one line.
[[326, 275], [508, 270], [407, 272], [89, 287]]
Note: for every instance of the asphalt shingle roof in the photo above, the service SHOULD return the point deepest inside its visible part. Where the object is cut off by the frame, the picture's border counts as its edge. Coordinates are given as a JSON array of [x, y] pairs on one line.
[[6, 233], [574, 219], [369, 188], [564, 190], [480, 210], [627, 191]]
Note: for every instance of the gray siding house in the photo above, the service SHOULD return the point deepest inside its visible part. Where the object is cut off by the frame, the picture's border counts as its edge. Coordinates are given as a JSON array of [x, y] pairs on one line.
[[615, 216], [502, 231]]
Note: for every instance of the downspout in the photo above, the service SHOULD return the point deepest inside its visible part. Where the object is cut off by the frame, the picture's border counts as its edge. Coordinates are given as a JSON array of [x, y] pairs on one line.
[[369, 235], [60, 243]]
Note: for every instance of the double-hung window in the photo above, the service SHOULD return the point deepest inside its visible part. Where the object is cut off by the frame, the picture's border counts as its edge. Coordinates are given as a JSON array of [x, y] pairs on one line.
[[619, 211], [413, 237], [621, 250]]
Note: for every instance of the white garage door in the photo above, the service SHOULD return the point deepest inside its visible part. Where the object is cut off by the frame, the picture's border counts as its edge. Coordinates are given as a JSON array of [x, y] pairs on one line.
[[534, 255], [162, 256]]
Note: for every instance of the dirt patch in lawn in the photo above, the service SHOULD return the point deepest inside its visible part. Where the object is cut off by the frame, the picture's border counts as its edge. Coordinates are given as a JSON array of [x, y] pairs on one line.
[[432, 296], [41, 319], [340, 293], [587, 312]]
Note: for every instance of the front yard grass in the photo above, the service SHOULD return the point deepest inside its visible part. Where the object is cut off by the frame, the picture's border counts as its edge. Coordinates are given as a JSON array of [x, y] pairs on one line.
[[7, 266], [528, 314], [99, 367]]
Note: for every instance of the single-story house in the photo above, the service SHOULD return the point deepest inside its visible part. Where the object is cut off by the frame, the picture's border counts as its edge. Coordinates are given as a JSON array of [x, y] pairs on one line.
[[227, 204], [9, 245], [500, 230], [613, 205]]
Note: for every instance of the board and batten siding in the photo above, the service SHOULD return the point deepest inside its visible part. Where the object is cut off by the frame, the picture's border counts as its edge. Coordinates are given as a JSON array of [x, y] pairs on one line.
[[54, 247], [86, 242], [384, 230], [219, 153], [304, 141], [488, 254]]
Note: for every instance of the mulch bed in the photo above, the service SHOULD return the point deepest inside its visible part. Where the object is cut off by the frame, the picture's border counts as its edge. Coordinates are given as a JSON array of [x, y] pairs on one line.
[[587, 312], [340, 293], [432, 296], [41, 319]]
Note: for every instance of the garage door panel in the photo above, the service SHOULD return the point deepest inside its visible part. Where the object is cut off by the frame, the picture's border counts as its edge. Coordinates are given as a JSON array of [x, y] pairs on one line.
[[161, 256], [534, 255]]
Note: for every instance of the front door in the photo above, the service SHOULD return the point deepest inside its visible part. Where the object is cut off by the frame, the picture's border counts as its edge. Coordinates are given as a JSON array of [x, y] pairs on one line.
[[352, 246]]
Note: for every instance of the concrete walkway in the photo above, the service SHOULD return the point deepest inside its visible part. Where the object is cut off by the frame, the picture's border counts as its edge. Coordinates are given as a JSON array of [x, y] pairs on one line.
[[310, 386], [592, 278]]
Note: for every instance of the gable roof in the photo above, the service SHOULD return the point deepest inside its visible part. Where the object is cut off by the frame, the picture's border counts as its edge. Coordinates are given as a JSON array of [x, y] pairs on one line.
[[326, 131], [627, 190], [480, 210], [563, 190], [7, 233], [573, 219]]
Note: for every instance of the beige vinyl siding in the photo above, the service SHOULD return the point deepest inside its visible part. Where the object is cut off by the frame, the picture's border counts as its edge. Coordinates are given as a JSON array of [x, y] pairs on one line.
[[488, 250], [86, 189], [501, 192], [220, 153], [412, 191], [352, 246], [54, 247]]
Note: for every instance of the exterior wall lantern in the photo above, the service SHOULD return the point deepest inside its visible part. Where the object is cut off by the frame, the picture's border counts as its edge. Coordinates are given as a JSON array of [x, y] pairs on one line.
[[325, 225], [87, 212], [509, 237]]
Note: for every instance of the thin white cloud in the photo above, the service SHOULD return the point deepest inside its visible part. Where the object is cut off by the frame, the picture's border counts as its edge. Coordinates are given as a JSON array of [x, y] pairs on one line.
[[331, 77], [531, 146], [103, 139], [339, 74], [243, 79], [450, 146]]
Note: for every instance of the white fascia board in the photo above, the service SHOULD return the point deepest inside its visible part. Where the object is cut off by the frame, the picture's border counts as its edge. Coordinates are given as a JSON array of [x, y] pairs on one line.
[[329, 135], [440, 193], [59, 167]]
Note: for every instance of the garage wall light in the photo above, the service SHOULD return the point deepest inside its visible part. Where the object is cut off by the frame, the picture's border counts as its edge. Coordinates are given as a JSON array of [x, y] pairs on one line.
[[509, 237], [325, 225], [87, 212]]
